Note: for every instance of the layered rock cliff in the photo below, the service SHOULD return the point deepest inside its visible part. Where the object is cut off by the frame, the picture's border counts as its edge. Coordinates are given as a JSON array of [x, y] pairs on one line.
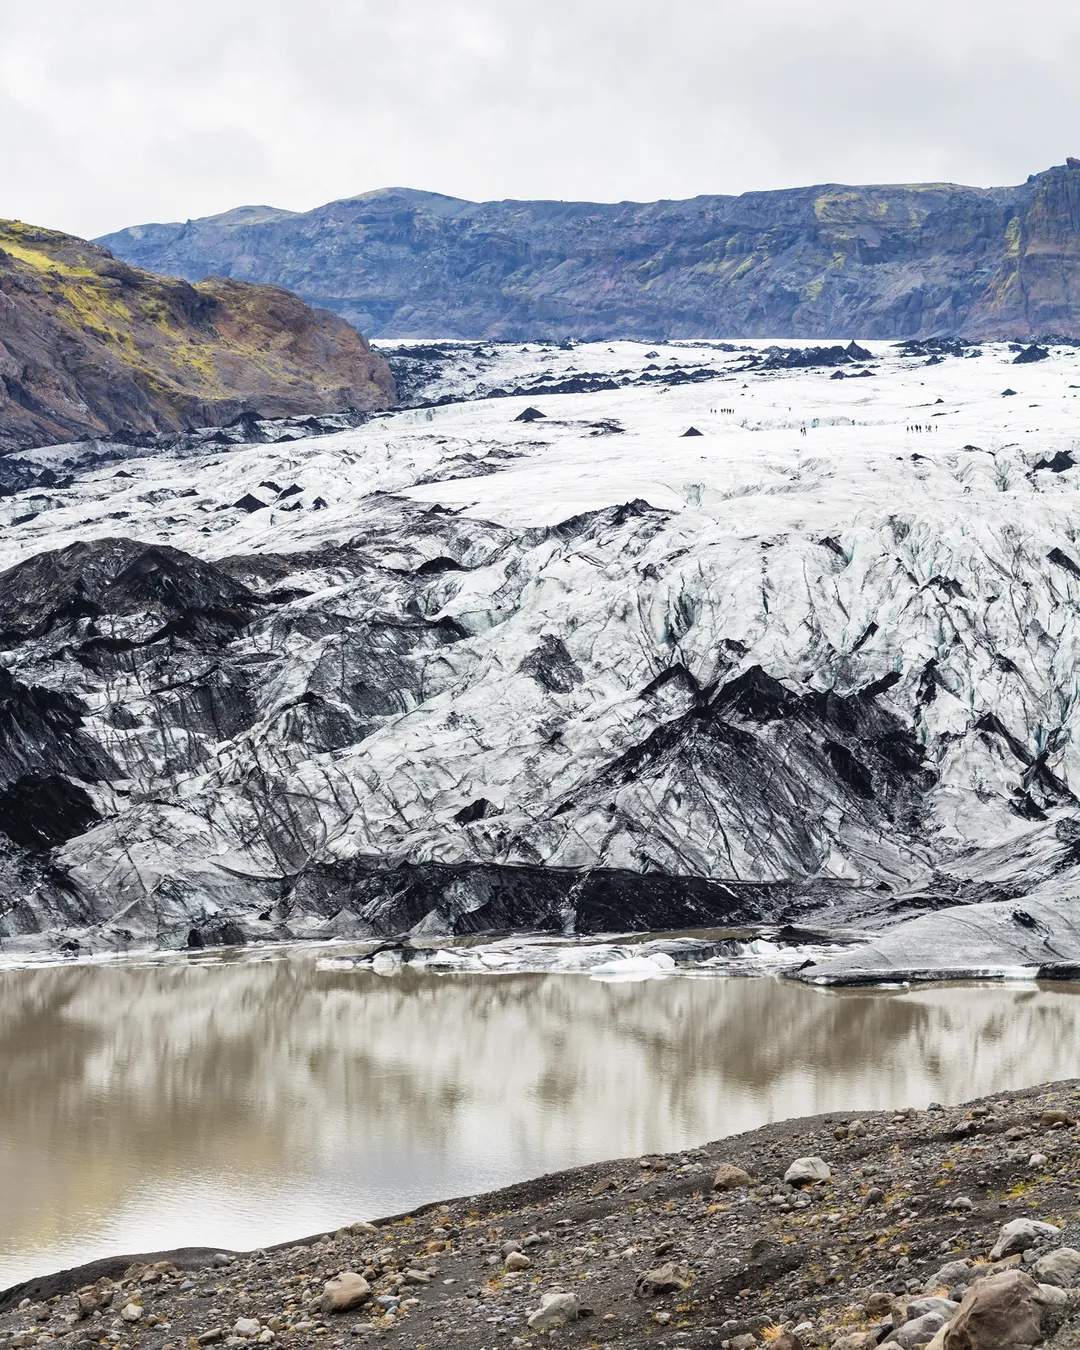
[[90, 346], [876, 262]]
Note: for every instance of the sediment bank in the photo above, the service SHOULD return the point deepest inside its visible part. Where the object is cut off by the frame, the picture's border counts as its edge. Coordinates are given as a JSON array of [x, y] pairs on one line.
[[701, 1248]]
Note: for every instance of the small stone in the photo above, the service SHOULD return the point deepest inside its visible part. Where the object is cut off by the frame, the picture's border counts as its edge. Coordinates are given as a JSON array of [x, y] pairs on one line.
[[959, 1202], [919, 1307], [855, 1340], [1056, 1117], [919, 1331], [517, 1261], [807, 1172], [874, 1196], [418, 1277], [666, 1279], [556, 1308], [361, 1229], [1052, 1296], [1015, 1132], [948, 1275], [1060, 1268], [603, 1185], [266, 1337], [344, 1291], [246, 1326], [731, 1178], [131, 1312], [662, 1317], [85, 1304], [211, 1337], [1038, 1160], [745, 1341]]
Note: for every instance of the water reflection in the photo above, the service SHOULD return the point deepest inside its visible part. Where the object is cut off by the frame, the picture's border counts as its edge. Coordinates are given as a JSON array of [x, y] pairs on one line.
[[235, 1104]]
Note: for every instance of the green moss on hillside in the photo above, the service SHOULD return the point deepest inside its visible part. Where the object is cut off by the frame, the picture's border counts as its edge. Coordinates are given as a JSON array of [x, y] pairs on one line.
[[131, 348]]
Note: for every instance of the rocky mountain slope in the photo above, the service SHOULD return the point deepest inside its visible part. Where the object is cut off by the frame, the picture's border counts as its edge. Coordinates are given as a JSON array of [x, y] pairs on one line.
[[90, 346], [727, 635], [880, 262]]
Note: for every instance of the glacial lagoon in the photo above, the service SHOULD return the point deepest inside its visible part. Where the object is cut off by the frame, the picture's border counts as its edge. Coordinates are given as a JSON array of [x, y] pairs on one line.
[[241, 1099]]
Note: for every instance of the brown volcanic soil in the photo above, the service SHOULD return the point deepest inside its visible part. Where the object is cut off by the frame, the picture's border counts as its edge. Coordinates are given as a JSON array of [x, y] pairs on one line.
[[756, 1258], [91, 347]]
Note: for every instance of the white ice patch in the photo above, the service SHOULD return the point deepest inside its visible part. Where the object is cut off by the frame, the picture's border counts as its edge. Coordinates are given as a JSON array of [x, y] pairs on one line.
[[613, 960], [635, 968]]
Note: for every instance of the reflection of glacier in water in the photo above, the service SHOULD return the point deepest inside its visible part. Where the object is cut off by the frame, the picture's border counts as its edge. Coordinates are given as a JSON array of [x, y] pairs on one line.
[[235, 1104]]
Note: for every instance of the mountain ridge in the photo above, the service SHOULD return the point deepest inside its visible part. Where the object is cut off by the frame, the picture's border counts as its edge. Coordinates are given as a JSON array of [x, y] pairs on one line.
[[879, 261]]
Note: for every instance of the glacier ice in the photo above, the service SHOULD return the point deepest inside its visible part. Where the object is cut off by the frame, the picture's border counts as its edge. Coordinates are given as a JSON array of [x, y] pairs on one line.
[[580, 674]]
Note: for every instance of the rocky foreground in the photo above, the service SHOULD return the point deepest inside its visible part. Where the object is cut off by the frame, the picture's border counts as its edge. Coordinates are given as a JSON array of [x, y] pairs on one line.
[[951, 1227]]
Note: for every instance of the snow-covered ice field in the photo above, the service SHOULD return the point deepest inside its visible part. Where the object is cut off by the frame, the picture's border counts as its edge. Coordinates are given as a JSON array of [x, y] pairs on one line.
[[856, 454]]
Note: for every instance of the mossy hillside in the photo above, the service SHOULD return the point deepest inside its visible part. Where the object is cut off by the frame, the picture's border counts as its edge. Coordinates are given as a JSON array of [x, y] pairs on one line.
[[157, 353], [151, 322]]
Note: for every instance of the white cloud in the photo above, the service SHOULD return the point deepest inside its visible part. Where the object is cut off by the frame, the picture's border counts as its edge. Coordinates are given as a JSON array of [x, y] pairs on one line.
[[123, 112]]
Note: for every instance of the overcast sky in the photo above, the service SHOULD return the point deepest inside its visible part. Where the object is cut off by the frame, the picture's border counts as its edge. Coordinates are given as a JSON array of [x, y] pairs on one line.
[[123, 111]]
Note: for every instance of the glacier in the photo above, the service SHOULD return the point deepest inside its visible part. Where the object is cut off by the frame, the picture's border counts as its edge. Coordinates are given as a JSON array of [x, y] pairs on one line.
[[529, 656]]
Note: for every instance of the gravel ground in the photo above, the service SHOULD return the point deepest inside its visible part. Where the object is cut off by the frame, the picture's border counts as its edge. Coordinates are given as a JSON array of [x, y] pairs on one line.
[[649, 1250]]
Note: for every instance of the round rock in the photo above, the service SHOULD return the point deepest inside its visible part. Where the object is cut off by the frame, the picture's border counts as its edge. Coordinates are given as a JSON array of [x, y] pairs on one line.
[[807, 1171], [343, 1292], [1019, 1234], [555, 1309], [731, 1178], [1061, 1268]]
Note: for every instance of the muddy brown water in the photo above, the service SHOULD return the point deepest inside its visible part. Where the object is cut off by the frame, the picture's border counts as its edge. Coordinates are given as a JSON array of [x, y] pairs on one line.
[[239, 1102]]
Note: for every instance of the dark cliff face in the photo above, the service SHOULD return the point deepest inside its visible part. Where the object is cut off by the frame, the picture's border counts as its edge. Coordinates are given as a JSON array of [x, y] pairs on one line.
[[91, 346], [884, 262]]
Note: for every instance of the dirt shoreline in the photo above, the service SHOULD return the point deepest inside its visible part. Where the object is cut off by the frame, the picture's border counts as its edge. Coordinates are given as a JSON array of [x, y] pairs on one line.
[[909, 1192]]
